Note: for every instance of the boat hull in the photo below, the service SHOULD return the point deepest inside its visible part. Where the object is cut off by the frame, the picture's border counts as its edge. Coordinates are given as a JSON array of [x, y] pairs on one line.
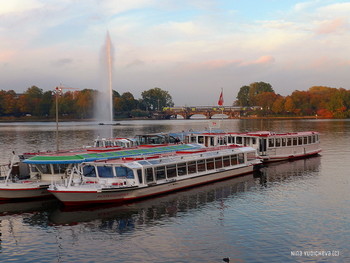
[[275, 155], [14, 191], [71, 196]]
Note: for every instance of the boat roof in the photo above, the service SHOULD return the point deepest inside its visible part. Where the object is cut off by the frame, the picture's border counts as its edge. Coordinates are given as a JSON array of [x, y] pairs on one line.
[[178, 156], [65, 158], [258, 133]]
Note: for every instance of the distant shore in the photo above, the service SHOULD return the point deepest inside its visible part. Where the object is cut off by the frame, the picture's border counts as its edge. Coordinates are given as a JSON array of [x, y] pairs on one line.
[[33, 119]]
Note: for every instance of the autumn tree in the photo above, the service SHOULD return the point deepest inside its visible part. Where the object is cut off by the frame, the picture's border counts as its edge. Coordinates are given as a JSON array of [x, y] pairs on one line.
[[84, 103]]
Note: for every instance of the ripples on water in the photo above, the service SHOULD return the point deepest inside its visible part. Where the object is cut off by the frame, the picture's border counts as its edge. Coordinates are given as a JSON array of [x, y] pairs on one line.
[[289, 206]]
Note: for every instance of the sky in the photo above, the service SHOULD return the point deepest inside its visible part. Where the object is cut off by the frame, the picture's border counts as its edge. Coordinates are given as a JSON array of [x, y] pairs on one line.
[[191, 48]]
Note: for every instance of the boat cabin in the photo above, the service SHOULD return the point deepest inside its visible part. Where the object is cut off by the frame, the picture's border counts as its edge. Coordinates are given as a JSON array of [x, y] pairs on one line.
[[149, 171]]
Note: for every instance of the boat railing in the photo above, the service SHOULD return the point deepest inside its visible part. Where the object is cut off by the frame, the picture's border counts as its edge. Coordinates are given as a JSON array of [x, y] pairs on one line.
[[6, 169]]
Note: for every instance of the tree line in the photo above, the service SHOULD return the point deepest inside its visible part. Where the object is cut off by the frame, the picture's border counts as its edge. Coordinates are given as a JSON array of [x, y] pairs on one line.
[[79, 104], [321, 101]]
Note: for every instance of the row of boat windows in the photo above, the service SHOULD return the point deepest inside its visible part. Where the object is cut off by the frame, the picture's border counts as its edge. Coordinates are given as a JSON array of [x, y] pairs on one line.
[[294, 141], [273, 142], [166, 171], [210, 141], [192, 167], [107, 172]]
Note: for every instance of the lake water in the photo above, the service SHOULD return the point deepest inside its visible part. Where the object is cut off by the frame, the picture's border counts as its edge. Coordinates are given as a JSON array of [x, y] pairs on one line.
[[296, 211]]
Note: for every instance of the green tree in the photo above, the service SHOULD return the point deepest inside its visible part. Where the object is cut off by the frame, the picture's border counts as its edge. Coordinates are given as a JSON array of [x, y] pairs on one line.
[[247, 95], [156, 99], [243, 96], [127, 102]]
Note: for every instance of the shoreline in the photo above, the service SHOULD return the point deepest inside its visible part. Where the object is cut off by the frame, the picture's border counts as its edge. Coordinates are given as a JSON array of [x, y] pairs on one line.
[[26, 119]]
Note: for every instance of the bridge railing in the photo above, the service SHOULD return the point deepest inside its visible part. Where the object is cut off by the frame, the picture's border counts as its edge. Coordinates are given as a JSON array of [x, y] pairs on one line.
[[204, 108]]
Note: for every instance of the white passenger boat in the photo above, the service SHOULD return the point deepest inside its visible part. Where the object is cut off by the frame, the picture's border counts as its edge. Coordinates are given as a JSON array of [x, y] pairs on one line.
[[54, 167], [144, 176], [270, 146]]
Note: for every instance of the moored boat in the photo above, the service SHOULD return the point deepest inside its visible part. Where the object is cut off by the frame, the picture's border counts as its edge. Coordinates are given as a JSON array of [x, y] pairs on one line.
[[12, 187], [54, 167], [270, 146], [140, 177]]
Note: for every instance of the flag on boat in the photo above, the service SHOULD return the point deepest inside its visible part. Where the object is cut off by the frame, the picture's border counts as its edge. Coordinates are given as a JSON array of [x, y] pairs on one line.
[[221, 99]]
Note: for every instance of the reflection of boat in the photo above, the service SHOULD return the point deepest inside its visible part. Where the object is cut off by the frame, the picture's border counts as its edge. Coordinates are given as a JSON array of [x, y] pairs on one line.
[[270, 146], [144, 176], [128, 216], [7, 207], [279, 172]]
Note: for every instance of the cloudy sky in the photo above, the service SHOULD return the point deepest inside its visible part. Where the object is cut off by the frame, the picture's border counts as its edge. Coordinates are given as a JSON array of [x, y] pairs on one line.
[[191, 48]]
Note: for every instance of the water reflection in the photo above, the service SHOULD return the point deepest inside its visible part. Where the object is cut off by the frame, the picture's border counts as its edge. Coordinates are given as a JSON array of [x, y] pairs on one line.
[[146, 212], [32, 206], [287, 171]]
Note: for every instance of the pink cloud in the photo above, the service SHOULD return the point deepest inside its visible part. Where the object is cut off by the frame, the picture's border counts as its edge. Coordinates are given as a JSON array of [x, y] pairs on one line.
[[262, 60], [331, 26]]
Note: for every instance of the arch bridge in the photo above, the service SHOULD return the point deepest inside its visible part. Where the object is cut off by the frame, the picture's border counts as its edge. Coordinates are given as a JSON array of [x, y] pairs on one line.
[[231, 112]]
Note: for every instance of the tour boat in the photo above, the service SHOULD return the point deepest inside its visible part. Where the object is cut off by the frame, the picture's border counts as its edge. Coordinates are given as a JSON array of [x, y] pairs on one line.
[[54, 167], [13, 188], [131, 178], [270, 146]]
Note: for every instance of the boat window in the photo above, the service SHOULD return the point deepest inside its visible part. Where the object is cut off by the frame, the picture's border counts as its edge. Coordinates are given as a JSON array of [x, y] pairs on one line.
[[105, 171], [271, 142], [289, 142], [59, 168], [124, 172], [193, 139], [201, 139], [222, 141], [181, 169], [192, 167], [212, 141], [226, 160], [305, 140], [253, 140], [233, 159], [295, 141], [139, 175], [44, 168], [89, 171], [229, 139], [246, 141], [210, 164], [309, 139], [171, 170], [278, 142], [218, 162], [284, 142], [160, 172], [300, 140], [313, 138], [240, 158], [251, 156], [201, 165], [317, 139], [149, 175], [239, 140], [233, 139]]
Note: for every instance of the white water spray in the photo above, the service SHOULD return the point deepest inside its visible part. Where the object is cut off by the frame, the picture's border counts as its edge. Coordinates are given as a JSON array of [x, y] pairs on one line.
[[104, 100]]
